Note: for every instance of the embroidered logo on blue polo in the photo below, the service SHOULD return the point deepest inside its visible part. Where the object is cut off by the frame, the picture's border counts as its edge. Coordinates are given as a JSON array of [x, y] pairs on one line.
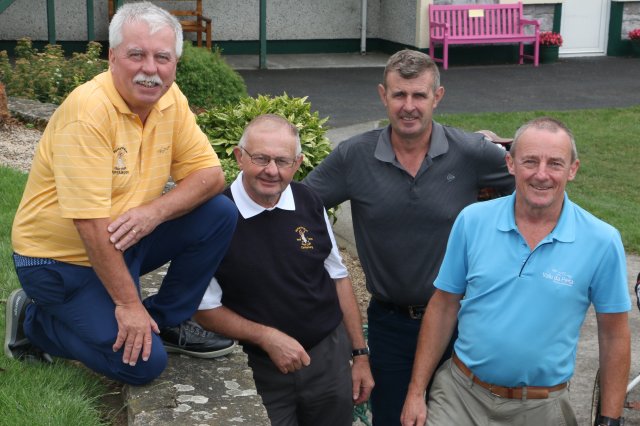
[[558, 277], [451, 177], [304, 239]]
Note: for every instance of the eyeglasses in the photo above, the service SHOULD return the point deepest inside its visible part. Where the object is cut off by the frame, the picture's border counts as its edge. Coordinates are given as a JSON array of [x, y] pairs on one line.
[[264, 160]]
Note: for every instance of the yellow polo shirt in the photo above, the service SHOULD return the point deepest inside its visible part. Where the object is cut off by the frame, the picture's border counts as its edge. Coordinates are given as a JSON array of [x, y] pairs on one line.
[[97, 160]]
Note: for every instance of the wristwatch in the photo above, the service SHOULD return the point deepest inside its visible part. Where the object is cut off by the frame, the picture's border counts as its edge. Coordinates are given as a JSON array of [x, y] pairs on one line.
[[609, 421], [360, 351]]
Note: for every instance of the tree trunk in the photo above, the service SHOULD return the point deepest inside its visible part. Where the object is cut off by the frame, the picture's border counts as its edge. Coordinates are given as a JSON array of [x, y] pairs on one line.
[[5, 117]]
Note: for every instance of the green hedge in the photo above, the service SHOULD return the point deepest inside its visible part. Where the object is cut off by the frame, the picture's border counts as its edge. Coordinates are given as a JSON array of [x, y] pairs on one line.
[[207, 80], [224, 126], [203, 76]]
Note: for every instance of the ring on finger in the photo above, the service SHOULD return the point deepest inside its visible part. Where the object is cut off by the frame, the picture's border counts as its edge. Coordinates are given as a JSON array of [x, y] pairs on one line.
[[133, 231]]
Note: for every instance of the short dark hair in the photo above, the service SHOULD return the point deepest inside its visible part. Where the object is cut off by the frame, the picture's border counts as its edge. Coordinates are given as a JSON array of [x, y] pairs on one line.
[[410, 64]]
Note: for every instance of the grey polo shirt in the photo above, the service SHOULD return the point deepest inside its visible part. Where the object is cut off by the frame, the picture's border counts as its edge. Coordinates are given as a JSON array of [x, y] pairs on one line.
[[401, 223]]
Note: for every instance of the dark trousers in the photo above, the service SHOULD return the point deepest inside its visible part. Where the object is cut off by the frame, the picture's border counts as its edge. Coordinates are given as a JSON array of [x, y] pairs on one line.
[[393, 338], [73, 315], [317, 395]]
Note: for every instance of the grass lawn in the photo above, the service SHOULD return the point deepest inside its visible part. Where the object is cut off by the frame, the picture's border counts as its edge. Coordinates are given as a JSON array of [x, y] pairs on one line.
[[607, 185]]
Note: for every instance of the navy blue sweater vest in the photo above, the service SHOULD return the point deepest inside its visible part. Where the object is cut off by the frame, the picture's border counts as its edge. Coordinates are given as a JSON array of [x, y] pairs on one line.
[[274, 271]]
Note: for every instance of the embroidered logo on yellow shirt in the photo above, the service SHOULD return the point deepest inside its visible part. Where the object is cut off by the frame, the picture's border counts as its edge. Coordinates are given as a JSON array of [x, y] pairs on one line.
[[305, 240], [121, 161]]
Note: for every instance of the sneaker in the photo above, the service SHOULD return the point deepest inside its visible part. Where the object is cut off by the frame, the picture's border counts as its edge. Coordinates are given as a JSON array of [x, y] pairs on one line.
[[191, 339], [16, 343]]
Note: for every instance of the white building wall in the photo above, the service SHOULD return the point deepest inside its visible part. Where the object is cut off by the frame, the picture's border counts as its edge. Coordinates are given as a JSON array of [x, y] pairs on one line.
[[398, 21], [232, 19]]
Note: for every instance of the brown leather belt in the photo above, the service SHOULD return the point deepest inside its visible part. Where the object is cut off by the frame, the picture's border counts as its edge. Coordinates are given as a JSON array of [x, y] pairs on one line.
[[529, 392]]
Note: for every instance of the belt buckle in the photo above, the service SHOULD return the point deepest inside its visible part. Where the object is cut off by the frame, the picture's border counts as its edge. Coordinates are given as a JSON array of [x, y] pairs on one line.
[[416, 311]]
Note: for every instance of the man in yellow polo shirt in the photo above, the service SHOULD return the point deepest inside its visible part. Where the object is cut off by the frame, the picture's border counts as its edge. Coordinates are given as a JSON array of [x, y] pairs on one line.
[[94, 218]]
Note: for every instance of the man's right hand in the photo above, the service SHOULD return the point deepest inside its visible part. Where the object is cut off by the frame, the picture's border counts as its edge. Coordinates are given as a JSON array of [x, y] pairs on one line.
[[414, 411], [286, 353], [135, 326]]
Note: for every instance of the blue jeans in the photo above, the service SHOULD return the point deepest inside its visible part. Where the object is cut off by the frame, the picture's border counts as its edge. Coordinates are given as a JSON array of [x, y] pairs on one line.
[[73, 315], [392, 340]]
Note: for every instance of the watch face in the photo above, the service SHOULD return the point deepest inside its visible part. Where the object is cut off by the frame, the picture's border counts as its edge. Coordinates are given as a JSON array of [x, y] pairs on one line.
[[357, 352]]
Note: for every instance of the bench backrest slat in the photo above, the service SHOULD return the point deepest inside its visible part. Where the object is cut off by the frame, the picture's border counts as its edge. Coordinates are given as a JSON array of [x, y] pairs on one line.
[[472, 20]]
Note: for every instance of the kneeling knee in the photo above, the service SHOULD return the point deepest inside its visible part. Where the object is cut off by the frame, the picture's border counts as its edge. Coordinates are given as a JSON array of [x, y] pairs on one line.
[[145, 371]]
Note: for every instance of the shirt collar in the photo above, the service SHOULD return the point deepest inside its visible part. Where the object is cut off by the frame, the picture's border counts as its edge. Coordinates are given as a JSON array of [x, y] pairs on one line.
[[249, 208], [438, 145], [565, 229]]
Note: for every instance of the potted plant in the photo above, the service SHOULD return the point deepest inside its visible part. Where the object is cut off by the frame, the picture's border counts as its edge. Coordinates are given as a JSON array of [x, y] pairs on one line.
[[634, 36], [550, 42]]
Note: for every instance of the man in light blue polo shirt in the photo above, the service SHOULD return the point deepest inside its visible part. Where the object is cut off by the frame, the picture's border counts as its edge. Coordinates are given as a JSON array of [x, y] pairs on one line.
[[519, 274]]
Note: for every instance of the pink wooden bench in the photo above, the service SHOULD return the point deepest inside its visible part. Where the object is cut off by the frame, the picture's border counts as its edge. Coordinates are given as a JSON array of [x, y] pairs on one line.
[[480, 24]]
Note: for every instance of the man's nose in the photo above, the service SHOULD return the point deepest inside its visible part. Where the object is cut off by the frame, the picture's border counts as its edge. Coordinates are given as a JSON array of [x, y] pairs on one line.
[[271, 166]]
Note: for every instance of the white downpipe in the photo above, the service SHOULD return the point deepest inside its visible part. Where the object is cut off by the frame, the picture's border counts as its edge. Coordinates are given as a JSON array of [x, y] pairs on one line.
[[363, 29]]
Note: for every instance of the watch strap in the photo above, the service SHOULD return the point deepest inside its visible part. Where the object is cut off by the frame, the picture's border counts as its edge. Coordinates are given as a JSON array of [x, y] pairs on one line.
[[359, 352], [609, 421]]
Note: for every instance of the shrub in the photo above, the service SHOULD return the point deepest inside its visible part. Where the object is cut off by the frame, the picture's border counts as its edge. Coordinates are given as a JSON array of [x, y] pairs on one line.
[[206, 79], [48, 76], [224, 126]]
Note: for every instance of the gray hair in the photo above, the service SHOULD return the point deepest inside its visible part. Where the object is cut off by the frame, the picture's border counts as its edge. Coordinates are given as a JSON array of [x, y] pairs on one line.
[[411, 64], [545, 123], [276, 119], [155, 17]]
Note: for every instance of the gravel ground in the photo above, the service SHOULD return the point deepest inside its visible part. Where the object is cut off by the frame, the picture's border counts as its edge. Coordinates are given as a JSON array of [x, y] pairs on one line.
[[18, 143]]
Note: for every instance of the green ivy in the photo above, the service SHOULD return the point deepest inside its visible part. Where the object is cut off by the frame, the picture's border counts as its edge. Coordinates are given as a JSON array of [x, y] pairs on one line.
[[224, 126]]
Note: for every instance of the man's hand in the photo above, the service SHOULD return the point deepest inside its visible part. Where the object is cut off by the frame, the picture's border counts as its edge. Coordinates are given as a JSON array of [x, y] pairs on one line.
[[286, 353], [362, 379], [132, 226], [134, 332], [414, 411]]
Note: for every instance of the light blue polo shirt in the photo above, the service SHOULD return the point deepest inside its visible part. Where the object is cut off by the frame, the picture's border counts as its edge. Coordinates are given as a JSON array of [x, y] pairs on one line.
[[522, 310]]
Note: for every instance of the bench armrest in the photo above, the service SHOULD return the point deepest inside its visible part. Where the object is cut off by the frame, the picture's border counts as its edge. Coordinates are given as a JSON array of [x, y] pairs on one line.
[[439, 24], [534, 22]]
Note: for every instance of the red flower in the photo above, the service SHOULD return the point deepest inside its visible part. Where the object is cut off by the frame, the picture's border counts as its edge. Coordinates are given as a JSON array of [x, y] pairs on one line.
[[634, 34], [549, 38]]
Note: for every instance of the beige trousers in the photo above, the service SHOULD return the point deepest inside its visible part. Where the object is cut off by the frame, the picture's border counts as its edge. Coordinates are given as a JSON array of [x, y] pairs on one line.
[[455, 400]]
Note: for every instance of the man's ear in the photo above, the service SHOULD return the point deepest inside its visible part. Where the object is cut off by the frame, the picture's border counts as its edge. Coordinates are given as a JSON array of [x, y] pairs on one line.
[[438, 95], [573, 170], [510, 164], [237, 152], [382, 92]]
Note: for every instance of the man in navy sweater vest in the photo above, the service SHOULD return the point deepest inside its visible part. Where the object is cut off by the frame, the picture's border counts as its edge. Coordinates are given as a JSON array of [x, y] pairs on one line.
[[283, 291]]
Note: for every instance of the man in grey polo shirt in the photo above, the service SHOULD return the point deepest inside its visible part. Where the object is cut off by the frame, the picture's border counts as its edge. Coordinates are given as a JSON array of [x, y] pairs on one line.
[[407, 182]]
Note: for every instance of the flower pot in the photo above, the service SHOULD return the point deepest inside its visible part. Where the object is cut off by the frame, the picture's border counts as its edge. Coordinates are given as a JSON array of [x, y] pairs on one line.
[[635, 48], [548, 54]]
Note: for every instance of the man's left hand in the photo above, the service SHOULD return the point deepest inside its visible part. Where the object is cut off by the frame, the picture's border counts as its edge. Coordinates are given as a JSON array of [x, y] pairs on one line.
[[131, 227], [362, 379]]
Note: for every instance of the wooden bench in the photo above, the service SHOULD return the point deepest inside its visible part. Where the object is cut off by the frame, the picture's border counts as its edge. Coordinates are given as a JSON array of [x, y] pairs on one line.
[[481, 24], [191, 18]]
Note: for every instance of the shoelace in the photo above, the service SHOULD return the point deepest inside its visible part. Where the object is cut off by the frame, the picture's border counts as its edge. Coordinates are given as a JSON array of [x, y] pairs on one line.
[[193, 328]]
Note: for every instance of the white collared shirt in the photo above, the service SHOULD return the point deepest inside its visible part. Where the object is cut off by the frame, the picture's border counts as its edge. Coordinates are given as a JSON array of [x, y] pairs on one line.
[[248, 209]]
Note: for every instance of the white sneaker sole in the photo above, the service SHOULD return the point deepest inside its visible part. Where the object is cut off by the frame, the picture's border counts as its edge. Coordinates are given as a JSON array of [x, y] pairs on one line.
[[206, 355]]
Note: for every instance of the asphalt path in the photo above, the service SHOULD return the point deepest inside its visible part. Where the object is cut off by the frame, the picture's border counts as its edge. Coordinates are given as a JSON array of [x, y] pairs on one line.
[[349, 96]]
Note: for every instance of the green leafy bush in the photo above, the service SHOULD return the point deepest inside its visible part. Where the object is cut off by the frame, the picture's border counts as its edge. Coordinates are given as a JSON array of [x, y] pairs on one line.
[[206, 79], [224, 126], [48, 76], [203, 76]]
